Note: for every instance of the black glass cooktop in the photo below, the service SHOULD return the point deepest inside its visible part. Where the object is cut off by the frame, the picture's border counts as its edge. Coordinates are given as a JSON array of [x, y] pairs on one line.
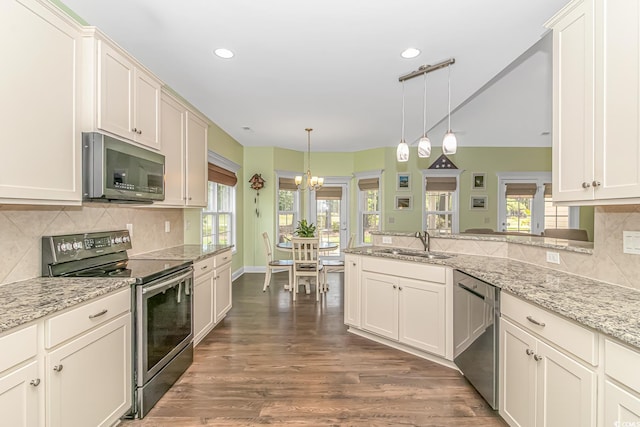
[[143, 270]]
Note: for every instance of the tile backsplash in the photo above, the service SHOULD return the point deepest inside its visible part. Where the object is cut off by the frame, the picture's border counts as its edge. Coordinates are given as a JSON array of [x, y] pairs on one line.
[[21, 229]]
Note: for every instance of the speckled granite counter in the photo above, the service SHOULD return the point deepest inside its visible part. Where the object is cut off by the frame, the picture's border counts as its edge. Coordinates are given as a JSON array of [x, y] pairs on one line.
[[607, 308], [193, 253], [32, 299], [539, 241]]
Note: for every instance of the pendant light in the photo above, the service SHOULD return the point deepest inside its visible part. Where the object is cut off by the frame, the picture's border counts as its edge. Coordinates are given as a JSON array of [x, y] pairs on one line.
[[402, 153], [424, 145], [449, 143], [308, 181]]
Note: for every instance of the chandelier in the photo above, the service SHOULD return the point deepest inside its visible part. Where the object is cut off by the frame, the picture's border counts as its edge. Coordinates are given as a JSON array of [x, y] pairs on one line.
[[312, 182]]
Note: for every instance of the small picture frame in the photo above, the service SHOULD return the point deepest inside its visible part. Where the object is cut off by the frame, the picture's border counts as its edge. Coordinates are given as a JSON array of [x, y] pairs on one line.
[[403, 182], [478, 181], [478, 202], [404, 203]]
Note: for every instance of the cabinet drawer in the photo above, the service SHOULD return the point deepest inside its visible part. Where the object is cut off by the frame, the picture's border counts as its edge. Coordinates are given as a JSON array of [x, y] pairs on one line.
[[621, 363], [18, 346], [566, 334], [411, 270], [78, 320], [222, 258], [203, 267]]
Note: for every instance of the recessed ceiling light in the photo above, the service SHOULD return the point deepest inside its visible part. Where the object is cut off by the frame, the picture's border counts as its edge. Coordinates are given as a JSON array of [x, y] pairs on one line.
[[223, 53], [409, 53]]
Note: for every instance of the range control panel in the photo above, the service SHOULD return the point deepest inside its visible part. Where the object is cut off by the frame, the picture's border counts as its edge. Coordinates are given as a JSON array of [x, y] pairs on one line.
[[72, 247]]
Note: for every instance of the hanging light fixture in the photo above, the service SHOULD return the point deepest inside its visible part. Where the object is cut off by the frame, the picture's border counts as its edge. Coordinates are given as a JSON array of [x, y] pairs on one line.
[[402, 153], [424, 145], [449, 143], [312, 182]]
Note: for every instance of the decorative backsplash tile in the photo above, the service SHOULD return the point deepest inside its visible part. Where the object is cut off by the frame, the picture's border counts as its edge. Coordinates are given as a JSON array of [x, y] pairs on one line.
[[22, 227]]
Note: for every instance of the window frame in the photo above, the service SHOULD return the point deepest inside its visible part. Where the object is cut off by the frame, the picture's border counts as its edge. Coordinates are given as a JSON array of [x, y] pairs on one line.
[[361, 197], [232, 166], [455, 196], [215, 214], [296, 202]]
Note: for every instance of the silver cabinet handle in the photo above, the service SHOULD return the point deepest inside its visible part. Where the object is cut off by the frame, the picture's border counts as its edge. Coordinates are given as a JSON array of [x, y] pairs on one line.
[[586, 185], [35, 382], [537, 358], [58, 368], [535, 322], [103, 312], [529, 352], [596, 183], [204, 268]]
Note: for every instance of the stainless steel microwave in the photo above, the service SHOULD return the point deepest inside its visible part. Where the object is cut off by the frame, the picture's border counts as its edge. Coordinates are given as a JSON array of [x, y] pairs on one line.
[[120, 172]]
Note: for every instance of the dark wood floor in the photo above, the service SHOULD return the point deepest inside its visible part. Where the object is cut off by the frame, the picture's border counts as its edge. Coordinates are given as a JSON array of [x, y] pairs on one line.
[[271, 361]]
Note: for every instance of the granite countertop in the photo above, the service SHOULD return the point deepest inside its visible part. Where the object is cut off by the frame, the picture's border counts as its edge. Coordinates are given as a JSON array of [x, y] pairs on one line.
[[605, 307], [32, 299], [192, 253]]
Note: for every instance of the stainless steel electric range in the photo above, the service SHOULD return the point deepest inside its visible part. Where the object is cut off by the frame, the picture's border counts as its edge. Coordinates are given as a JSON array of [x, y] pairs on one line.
[[162, 304]]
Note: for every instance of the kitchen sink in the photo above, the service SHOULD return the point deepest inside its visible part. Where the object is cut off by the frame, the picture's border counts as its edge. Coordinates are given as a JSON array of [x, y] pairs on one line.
[[428, 255]]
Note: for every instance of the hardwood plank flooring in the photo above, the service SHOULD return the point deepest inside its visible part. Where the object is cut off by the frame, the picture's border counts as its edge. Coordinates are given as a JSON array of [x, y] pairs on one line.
[[271, 361]]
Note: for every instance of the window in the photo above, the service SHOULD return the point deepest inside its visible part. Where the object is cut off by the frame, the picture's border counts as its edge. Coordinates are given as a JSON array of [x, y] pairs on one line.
[[556, 216], [520, 207], [441, 202], [288, 208], [218, 218], [369, 209]]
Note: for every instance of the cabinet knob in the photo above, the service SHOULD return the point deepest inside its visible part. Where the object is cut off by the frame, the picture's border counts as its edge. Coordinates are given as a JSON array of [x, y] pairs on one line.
[[134, 130], [35, 382], [58, 368], [529, 352], [353, 263], [586, 185], [139, 132], [399, 288], [394, 286], [596, 183], [537, 358]]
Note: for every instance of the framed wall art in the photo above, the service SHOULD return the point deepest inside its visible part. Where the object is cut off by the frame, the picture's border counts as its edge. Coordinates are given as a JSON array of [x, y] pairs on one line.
[[478, 202], [479, 181], [403, 182], [404, 203]]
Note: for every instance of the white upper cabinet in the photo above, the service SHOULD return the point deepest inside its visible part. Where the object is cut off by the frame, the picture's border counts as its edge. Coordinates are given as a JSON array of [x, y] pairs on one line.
[[197, 173], [39, 105], [121, 97], [596, 123]]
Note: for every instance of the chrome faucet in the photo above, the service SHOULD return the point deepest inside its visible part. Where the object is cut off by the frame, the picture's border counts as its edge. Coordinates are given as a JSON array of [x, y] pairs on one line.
[[425, 239]]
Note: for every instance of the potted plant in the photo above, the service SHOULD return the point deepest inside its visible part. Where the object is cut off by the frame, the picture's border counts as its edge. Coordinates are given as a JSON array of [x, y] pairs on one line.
[[304, 229]]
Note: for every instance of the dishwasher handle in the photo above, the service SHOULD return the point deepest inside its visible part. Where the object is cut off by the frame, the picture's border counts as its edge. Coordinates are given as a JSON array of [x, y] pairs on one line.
[[468, 289]]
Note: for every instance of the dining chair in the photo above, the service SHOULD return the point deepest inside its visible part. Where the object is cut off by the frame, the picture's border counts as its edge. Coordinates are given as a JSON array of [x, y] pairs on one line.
[[333, 265], [306, 263], [274, 265]]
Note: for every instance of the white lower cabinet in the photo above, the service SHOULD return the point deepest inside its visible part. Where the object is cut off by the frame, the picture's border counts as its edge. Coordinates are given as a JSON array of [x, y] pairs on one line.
[[621, 385], [19, 396], [222, 286], [621, 407], [203, 312], [352, 289], [89, 379], [407, 303]]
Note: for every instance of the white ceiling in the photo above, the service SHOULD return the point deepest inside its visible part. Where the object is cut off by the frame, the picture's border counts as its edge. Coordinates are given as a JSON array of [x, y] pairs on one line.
[[333, 65]]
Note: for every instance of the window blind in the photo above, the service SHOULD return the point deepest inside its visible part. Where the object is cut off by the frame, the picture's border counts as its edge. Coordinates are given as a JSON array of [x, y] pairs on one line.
[[368, 184], [437, 183], [287, 184], [521, 190], [221, 175], [329, 193]]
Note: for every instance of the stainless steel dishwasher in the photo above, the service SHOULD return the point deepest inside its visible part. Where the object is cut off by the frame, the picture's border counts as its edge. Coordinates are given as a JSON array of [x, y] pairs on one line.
[[476, 315]]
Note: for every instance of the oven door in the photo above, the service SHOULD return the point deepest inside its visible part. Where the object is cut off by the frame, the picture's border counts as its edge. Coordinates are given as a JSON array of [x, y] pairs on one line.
[[164, 322]]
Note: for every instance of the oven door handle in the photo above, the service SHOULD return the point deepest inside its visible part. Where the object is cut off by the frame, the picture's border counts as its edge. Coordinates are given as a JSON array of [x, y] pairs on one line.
[[167, 285]]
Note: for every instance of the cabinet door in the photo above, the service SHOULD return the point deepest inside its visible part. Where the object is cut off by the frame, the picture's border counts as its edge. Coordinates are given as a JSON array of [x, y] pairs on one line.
[[196, 182], [380, 304], [621, 408], [19, 393], [517, 375], [89, 379], [115, 95], [147, 109], [352, 297], [573, 102], [422, 315], [222, 300], [203, 306], [39, 105], [172, 134], [617, 99], [566, 393]]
